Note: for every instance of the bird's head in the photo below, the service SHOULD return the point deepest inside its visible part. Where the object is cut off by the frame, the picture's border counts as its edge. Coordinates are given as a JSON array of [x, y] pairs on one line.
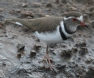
[[72, 20], [75, 20]]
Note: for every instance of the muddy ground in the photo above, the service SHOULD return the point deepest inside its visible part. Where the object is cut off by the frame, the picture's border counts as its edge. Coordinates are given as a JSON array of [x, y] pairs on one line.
[[21, 53]]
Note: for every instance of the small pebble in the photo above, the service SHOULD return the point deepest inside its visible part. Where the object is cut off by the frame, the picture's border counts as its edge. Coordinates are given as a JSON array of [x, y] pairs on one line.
[[1, 9], [27, 13], [66, 54], [68, 4], [57, 1], [37, 40], [18, 10], [24, 5], [20, 47], [37, 46], [32, 53], [4, 64], [19, 55], [83, 51], [74, 49], [37, 4], [73, 8], [88, 60], [48, 5]]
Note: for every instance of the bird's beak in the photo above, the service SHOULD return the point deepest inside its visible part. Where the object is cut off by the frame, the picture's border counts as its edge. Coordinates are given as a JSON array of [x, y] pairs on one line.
[[82, 23]]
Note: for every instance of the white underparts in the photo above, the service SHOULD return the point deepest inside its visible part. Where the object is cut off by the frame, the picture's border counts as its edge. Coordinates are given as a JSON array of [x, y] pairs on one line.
[[52, 37]]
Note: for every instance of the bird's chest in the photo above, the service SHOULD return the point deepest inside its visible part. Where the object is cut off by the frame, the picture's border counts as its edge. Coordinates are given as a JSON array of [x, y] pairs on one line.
[[50, 37]]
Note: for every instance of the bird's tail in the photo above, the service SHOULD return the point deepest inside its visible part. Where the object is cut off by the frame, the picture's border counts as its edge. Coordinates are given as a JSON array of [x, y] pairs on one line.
[[18, 21]]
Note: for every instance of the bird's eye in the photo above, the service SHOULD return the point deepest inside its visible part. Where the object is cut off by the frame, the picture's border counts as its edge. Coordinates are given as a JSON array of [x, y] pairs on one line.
[[74, 19]]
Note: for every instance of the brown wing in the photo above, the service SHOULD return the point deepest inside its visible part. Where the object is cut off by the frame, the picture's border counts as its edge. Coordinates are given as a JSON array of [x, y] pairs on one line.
[[43, 24], [46, 23]]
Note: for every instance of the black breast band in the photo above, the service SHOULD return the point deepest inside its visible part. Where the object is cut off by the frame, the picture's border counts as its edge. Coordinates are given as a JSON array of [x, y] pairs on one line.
[[62, 34]]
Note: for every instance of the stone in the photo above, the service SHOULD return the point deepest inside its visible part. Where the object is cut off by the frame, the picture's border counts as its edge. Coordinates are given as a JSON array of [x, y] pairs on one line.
[[83, 51], [73, 8], [27, 13], [66, 54], [57, 1], [24, 5], [18, 10], [37, 4], [1, 9], [20, 47], [32, 53], [37, 46], [48, 4]]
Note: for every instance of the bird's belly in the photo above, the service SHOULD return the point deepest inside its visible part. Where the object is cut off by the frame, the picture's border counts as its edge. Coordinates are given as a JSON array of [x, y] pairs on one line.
[[50, 37]]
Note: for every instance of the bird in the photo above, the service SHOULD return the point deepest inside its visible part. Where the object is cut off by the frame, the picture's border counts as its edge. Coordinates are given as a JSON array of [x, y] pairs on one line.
[[52, 29]]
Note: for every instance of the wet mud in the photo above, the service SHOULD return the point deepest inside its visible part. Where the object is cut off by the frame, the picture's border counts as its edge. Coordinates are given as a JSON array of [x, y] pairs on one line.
[[21, 53]]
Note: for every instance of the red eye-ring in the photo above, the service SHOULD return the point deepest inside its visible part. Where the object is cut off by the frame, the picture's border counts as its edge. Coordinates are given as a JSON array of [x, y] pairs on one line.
[[74, 19]]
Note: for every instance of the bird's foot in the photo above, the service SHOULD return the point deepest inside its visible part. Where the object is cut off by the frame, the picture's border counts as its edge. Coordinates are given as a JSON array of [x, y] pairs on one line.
[[49, 61]]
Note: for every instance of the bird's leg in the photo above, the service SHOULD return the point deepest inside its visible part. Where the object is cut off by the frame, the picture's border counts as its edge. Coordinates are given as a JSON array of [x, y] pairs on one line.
[[47, 58]]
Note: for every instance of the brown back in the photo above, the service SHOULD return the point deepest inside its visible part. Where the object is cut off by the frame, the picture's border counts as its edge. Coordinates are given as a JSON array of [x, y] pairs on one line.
[[45, 24]]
